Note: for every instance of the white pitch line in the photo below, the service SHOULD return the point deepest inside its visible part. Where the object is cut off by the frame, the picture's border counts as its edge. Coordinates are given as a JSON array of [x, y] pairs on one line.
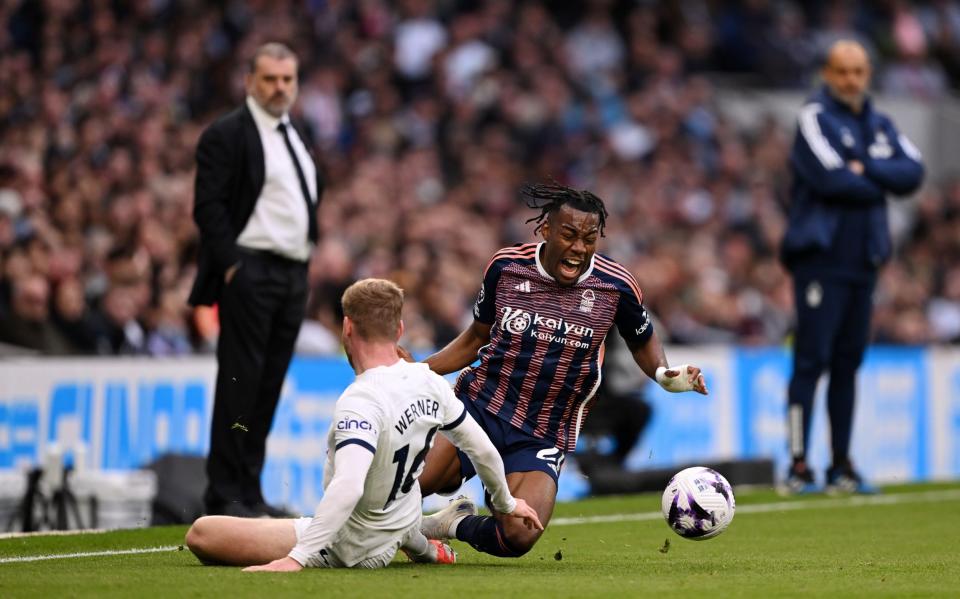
[[54, 533], [39, 558], [899, 498], [859, 500]]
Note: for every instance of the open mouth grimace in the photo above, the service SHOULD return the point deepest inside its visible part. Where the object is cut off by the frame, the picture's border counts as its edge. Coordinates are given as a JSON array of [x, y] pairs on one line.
[[570, 267]]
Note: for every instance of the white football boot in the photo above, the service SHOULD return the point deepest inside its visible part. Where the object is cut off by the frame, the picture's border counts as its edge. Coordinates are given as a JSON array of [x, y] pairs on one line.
[[439, 525]]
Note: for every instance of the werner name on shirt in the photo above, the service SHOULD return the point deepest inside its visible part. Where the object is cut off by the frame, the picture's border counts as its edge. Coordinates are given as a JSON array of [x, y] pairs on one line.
[[421, 407]]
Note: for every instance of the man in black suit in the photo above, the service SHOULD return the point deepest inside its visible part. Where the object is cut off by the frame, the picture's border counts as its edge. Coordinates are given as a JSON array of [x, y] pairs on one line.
[[256, 198]]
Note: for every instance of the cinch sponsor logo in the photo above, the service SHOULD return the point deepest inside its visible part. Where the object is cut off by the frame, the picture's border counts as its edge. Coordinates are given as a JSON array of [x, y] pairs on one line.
[[349, 424], [517, 321]]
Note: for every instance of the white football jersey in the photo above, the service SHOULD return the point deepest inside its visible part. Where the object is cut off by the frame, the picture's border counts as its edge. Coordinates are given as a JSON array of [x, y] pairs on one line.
[[395, 412]]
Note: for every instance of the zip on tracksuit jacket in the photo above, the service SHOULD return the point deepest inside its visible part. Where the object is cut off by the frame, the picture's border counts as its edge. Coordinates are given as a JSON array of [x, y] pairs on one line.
[[837, 220]]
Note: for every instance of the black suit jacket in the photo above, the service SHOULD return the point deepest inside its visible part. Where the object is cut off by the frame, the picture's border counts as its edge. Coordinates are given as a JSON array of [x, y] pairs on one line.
[[230, 174]]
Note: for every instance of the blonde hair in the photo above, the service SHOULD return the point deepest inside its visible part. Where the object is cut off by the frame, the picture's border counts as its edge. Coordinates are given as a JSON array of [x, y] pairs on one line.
[[374, 306]]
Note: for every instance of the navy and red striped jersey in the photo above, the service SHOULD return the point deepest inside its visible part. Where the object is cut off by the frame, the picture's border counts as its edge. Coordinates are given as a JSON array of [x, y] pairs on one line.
[[542, 365]]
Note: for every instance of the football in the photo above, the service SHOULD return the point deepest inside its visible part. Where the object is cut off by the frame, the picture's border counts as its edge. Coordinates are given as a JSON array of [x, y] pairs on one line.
[[698, 503]]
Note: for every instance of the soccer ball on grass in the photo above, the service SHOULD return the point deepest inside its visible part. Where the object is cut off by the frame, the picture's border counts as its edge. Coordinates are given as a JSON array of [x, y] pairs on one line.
[[698, 503]]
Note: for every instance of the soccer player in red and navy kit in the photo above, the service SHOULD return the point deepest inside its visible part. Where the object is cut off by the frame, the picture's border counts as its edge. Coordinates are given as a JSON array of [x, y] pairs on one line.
[[540, 319]]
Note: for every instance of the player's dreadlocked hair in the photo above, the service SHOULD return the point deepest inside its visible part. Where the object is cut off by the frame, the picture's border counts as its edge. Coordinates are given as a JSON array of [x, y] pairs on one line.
[[549, 197]]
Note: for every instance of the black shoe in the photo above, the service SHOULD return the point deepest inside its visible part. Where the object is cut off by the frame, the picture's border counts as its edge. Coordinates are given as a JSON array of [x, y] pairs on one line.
[[232, 508], [799, 481], [264, 509], [843, 480]]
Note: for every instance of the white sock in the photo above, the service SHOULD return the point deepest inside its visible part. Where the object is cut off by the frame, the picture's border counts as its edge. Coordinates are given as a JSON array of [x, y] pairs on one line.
[[420, 549], [453, 527]]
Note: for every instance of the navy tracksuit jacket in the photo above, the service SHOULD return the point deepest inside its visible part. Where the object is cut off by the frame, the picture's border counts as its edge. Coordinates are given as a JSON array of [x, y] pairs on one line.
[[827, 197]]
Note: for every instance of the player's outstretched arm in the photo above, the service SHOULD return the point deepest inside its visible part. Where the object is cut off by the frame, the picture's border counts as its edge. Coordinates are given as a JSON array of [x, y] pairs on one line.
[[352, 462], [462, 351], [474, 442], [651, 358]]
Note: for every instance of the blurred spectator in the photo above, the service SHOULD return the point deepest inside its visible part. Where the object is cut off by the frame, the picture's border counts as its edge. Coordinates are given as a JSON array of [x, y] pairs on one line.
[[116, 328], [594, 48], [911, 74], [419, 36], [847, 19], [72, 316], [28, 325], [168, 334], [428, 116], [941, 25], [789, 54]]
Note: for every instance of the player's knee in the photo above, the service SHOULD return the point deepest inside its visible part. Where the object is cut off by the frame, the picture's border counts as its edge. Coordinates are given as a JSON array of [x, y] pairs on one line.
[[450, 489], [845, 363], [520, 538], [198, 539], [445, 483], [522, 543], [810, 363]]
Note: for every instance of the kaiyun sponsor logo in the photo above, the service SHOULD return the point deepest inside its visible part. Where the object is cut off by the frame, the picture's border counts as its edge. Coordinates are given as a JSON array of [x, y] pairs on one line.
[[517, 321]]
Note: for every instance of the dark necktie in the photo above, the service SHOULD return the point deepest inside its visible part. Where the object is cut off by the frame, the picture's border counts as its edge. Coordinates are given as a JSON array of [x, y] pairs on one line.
[[311, 212]]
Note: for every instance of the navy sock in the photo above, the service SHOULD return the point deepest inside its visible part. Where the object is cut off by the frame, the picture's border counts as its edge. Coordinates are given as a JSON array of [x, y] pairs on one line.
[[485, 533]]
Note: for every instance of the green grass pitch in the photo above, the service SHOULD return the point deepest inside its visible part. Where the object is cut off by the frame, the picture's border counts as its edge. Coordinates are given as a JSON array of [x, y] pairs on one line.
[[904, 544]]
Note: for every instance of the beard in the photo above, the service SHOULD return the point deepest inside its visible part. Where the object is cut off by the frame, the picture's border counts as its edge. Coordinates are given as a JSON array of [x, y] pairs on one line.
[[852, 99], [277, 105]]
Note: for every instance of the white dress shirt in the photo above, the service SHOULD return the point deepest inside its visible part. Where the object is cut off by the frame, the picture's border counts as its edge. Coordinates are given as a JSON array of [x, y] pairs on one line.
[[279, 220]]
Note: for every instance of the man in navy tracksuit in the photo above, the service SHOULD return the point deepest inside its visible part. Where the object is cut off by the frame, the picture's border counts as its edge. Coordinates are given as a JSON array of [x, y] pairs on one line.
[[846, 158]]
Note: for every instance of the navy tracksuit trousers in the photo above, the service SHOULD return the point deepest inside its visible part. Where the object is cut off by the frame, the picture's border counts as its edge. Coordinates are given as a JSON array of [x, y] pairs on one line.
[[833, 328]]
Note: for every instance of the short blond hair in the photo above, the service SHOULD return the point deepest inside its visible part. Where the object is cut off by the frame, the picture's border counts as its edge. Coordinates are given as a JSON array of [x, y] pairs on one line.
[[375, 307]]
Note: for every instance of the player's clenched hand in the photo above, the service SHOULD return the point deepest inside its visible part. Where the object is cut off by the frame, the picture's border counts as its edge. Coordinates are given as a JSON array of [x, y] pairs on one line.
[[528, 514], [685, 377], [404, 354], [284, 564]]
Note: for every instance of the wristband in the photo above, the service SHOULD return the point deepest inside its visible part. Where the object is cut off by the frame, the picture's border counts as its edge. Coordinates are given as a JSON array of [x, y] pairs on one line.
[[676, 384]]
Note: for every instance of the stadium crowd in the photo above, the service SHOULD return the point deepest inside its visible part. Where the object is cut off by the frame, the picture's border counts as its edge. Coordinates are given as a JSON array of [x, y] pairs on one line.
[[426, 118]]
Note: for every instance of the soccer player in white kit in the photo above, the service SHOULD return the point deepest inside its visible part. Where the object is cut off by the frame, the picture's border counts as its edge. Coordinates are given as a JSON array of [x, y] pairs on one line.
[[384, 423]]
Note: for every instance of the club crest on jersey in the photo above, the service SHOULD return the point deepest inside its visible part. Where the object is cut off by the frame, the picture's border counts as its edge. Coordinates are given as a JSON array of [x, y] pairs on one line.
[[880, 149], [587, 300], [846, 138]]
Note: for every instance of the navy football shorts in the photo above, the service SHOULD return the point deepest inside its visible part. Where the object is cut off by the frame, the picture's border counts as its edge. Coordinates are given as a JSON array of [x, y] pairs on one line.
[[521, 452]]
